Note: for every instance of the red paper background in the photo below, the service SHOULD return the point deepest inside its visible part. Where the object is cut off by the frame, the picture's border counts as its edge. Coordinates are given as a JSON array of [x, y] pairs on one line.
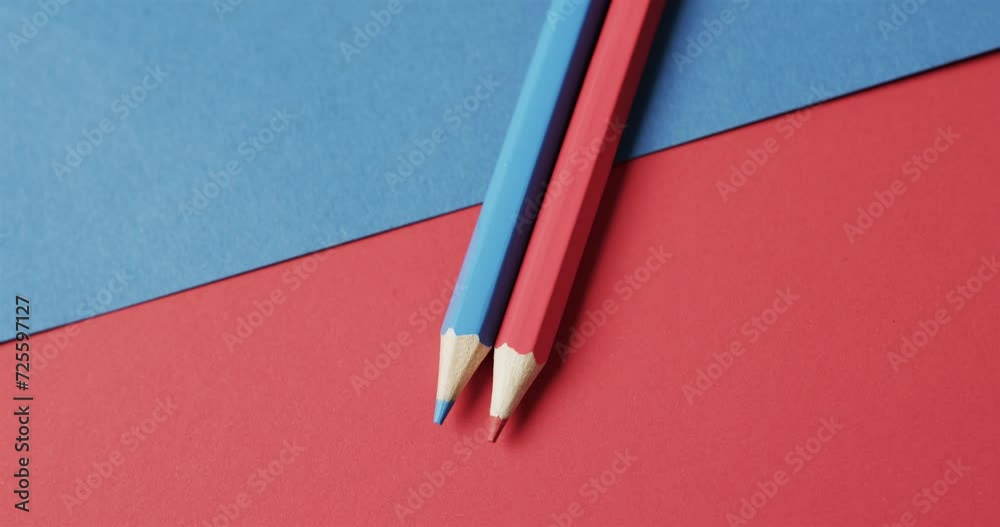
[[621, 390]]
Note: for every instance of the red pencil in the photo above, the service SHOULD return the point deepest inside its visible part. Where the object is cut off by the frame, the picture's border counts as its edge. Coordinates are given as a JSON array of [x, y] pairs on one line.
[[570, 202]]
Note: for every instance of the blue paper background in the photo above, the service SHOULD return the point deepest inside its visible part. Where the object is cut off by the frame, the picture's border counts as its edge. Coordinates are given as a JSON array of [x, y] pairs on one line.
[[112, 232]]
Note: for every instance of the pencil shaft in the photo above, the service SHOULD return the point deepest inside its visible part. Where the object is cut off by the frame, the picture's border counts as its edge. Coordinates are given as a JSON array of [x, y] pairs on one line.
[[525, 162], [571, 199]]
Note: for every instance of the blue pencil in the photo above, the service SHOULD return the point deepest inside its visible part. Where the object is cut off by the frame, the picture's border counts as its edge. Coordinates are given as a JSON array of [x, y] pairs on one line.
[[523, 168]]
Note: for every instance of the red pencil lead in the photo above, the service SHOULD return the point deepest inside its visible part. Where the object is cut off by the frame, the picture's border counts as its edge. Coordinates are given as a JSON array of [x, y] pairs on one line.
[[496, 425]]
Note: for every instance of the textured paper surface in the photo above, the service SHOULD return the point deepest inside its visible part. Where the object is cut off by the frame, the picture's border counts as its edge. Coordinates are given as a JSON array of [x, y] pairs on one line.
[[337, 354], [110, 232]]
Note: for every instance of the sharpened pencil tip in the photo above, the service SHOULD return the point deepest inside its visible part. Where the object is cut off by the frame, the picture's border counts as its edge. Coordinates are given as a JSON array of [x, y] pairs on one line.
[[441, 409], [496, 426]]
